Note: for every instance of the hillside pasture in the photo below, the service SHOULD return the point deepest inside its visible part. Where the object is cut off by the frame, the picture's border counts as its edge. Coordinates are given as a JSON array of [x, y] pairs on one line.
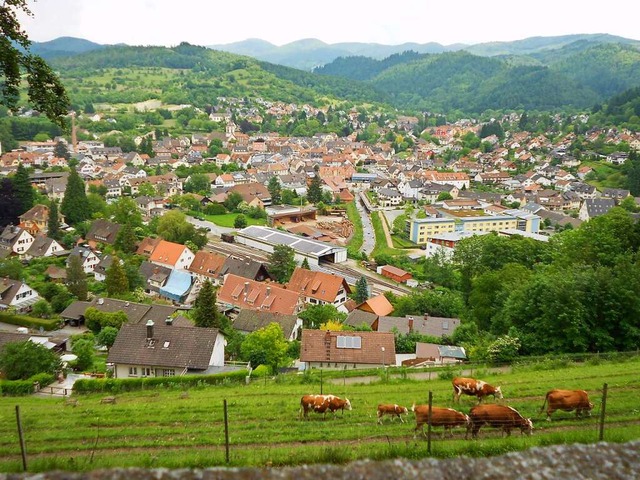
[[168, 428]]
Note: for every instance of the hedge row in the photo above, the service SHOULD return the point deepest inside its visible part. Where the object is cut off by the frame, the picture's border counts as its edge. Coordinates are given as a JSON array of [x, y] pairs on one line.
[[16, 388], [117, 385], [31, 322]]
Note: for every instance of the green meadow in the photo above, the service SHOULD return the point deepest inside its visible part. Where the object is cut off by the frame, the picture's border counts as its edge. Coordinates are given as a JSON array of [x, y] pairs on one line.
[[172, 428]]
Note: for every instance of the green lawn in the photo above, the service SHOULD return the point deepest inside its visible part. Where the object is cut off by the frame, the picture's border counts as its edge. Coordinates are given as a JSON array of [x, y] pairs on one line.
[[381, 240], [168, 428], [355, 245], [400, 242], [227, 219]]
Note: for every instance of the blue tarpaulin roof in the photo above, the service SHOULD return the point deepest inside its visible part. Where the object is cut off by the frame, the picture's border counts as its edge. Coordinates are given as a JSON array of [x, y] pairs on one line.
[[177, 286]]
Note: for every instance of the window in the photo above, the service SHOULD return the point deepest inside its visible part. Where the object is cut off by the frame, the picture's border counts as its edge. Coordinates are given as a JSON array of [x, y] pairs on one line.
[[343, 341], [146, 372], [133, 371], [168, 372]]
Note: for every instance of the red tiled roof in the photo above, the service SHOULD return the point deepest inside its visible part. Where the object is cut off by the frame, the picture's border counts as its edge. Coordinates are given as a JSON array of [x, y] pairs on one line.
[[244, 293], [322, 346], [319, 285]]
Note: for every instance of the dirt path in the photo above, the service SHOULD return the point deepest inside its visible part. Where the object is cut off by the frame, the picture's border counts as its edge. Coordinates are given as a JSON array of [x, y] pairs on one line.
[[385, 227]]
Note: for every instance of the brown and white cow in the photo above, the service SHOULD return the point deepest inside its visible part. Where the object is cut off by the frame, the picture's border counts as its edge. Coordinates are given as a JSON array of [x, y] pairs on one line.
[[471, 386], [322, 404], [440, 417], [393, 410], [498, 416], [567, 400]]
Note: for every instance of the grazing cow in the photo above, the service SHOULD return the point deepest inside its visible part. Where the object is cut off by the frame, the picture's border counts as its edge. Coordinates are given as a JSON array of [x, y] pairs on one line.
[[498, 416], [440, 417], [567, 400], [471, 386], [393, 410], [322, 404]]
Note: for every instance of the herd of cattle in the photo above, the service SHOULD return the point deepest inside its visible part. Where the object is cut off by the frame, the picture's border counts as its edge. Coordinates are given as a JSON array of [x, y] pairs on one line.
[[494, 415]]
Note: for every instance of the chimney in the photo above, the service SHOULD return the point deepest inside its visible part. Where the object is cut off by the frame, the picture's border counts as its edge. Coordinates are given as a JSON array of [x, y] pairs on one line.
[[168, 321], [149, 329], [268, 291], [410, 324], [246, 287]]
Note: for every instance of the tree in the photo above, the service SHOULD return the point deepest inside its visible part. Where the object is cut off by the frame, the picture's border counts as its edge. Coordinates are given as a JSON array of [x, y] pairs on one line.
[[74, 204], [314, 192], [9, 203], [198, 183], [305, 264], [281, 263], [240, 221], [23, 189], [22, 360], [316, 315], [61, 151], [107, 337], [41, 309], [126, 241], [232, 201], [266, 346], [444, 196], [84, 348], [77, 278], [45, 91], [205, 312], [275, 190], [173, 227], [125, 211], [362, 291], [53, 221], [116, 279]]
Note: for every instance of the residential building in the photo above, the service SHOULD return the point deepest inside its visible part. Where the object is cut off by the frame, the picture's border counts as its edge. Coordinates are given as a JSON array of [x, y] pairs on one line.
[[346, 350], [88, 258], [16, 294], [102, 231], [165, 350], [238, 293], [15, 240], [248, 321], [595, 207], [319, 288]]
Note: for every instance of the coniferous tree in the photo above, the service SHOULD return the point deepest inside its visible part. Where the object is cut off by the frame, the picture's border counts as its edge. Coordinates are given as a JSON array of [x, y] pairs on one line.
[[116, 279], [275, 190], [9, 203], [23, 189], [362, 291], [205, 313], [53, 222], [281, 263], [77, 278], [314, 192], [61, 151], [74, 203], [305, 264]]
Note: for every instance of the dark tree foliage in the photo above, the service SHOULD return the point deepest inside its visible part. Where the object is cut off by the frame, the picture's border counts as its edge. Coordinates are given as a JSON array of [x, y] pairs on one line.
[[61, 151], [23, 189], [314, 192], [126, 241], [205, 313], [281, 263], [74, 204], [116, 279], [275, 190], [9, 203], [362, 290], [77, 278], [45, 90]]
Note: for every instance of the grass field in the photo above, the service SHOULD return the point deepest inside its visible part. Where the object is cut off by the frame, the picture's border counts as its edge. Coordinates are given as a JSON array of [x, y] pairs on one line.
[[166, 428], [355, 245], [227, 219]]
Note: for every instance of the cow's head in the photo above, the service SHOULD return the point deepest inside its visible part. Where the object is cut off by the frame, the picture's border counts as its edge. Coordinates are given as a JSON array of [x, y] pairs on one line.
[[347, 404], [590, 408], [498, 393], [527, 426]]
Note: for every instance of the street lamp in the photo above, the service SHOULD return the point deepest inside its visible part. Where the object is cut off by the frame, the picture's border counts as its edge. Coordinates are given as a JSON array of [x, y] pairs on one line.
[[382, 348]]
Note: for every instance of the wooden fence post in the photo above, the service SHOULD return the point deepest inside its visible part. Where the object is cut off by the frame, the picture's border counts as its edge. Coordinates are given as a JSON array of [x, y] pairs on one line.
[[429, 423], [602, 412], [226, 431], [23, 449]]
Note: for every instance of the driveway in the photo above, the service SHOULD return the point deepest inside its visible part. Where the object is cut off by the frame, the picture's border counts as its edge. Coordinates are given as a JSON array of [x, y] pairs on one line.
[[212, 227]]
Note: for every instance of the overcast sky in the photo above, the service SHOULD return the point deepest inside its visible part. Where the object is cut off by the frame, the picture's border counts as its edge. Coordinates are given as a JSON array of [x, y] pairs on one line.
[[211, 22]]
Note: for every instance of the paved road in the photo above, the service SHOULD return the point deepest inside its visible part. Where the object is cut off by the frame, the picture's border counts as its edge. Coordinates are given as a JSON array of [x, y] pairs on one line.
[[213, 228], [369, 242]]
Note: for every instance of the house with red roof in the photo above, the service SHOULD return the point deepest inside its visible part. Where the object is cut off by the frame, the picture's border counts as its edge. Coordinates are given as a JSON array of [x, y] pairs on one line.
[[319, 288], [166, 254], [238, 293]]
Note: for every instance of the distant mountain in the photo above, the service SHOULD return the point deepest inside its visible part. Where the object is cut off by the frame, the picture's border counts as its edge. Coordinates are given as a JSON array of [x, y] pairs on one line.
[[63, 46], [308, 54]]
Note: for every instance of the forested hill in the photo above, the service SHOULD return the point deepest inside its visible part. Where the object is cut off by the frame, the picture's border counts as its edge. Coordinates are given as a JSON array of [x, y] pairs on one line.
[[188, 74], [572, 77], [435, 82]]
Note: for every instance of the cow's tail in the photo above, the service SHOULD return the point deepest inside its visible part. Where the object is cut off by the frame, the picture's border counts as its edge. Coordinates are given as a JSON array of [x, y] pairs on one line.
[[544, 403]]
